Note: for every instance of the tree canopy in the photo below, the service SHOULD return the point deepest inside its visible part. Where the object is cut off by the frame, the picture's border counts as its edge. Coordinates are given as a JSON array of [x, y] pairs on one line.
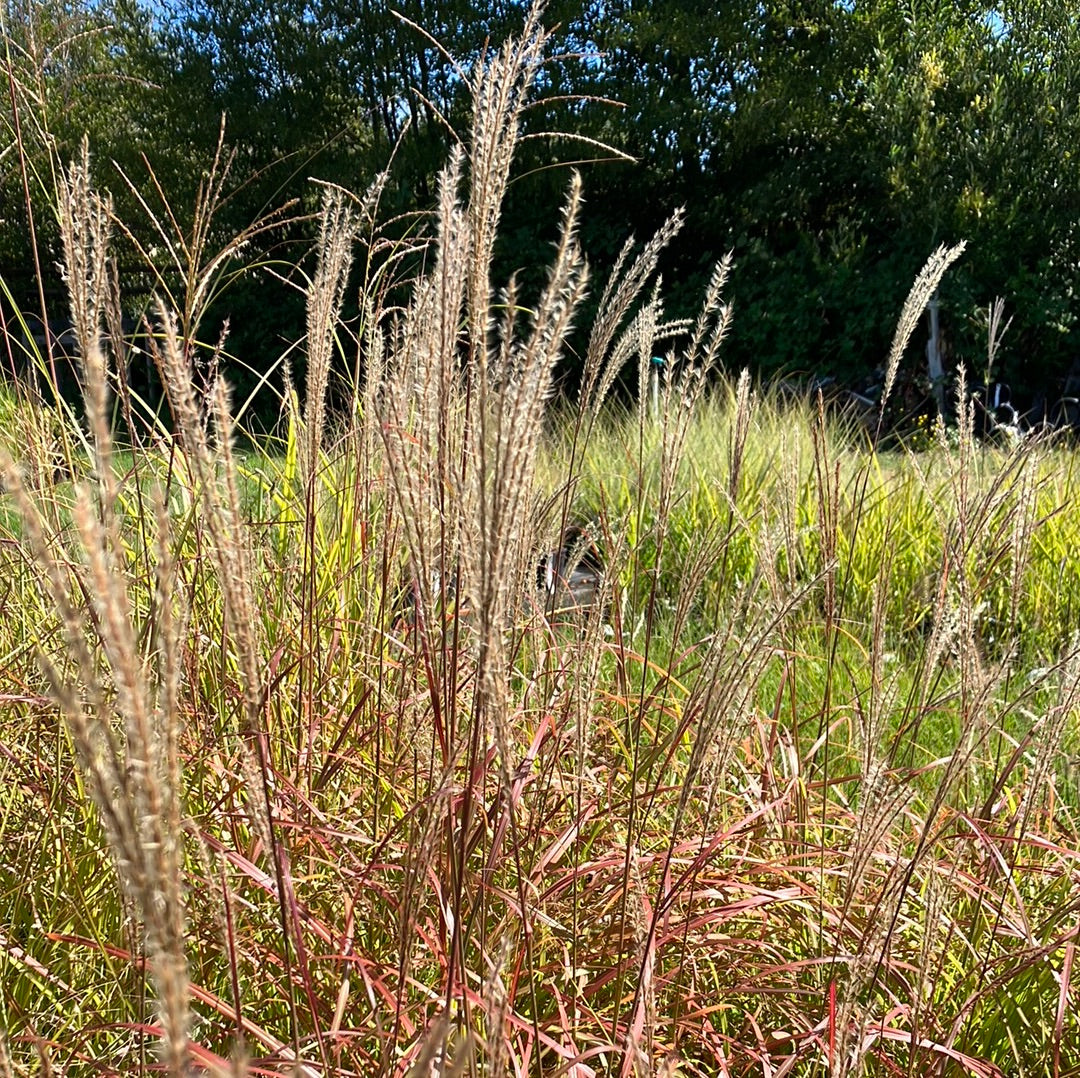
[[830, 144]]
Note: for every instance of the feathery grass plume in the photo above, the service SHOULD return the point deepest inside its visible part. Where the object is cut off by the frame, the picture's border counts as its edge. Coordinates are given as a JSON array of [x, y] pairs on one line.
[[640, 1029], [150, 784], [500, 93], [7, 1068], [882, 799], [789, 502], [509, 414], [647, 326], [134, 779], [995, 331], [641, 337], [713, 320], [965, 429], [234, 557], [721, 701], [716, 714], [827, 489], [366, 401], [370, 373], [584, 665], [461, 450], [1051, 730], [623, 286], [222, 518], [1025, 520], [738, 432], [222, 507], [873, 715], [495, 1001], [325, 293], [978, 699], [941, 617], [219, 495], [681, 393], [854, 1014], [84, 232], [422, 409], [338, 227], [924, 287], [441, 1055], [931, 943], [508, 387]]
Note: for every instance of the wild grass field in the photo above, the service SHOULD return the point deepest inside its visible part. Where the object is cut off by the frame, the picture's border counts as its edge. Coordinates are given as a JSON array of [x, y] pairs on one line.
[[305, 770]]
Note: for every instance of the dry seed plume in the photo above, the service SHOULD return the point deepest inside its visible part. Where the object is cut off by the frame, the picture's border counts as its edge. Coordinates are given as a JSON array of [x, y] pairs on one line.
[[919, 296], [84, 232], [623, 287], [499, 98], [120, 703], [224, 523], [337, 230]]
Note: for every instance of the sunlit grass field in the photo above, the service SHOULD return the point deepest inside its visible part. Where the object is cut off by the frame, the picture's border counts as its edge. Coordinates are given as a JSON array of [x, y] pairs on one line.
[[307, 766], [805, 782]]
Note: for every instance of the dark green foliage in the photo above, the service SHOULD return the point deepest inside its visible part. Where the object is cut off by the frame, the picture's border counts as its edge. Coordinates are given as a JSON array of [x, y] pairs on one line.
[[830, 145], [834, 145]]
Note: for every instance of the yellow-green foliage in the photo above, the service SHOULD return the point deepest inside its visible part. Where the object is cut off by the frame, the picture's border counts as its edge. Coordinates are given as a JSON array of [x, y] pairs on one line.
[[994, 527]]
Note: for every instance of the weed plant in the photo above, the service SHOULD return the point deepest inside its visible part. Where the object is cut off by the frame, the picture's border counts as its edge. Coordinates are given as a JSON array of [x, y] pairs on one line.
[[302, 774]]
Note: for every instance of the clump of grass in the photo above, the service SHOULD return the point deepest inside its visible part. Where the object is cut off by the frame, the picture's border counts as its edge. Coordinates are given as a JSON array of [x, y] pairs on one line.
[[791, 798], [132, 771]]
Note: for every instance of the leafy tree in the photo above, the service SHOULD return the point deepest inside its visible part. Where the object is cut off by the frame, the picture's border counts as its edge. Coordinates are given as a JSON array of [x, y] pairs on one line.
[[833, 145], [830, 143], [62, 79]]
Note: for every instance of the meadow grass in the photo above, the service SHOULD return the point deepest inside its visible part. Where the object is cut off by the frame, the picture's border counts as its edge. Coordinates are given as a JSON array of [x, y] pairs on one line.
[[301, 772]]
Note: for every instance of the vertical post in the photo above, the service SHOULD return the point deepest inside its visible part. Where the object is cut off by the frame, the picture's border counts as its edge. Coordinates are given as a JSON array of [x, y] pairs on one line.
[[655, 368], [934, 364]]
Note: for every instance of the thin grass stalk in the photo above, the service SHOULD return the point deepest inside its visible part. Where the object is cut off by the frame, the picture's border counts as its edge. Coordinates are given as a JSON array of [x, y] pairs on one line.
[[714, 716], [187, 245], [679, 401], [978, 690], [325, 295], [827, 481], [233, 556], [828, 487], [219, 496], [502, 486], [1051, 732]]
